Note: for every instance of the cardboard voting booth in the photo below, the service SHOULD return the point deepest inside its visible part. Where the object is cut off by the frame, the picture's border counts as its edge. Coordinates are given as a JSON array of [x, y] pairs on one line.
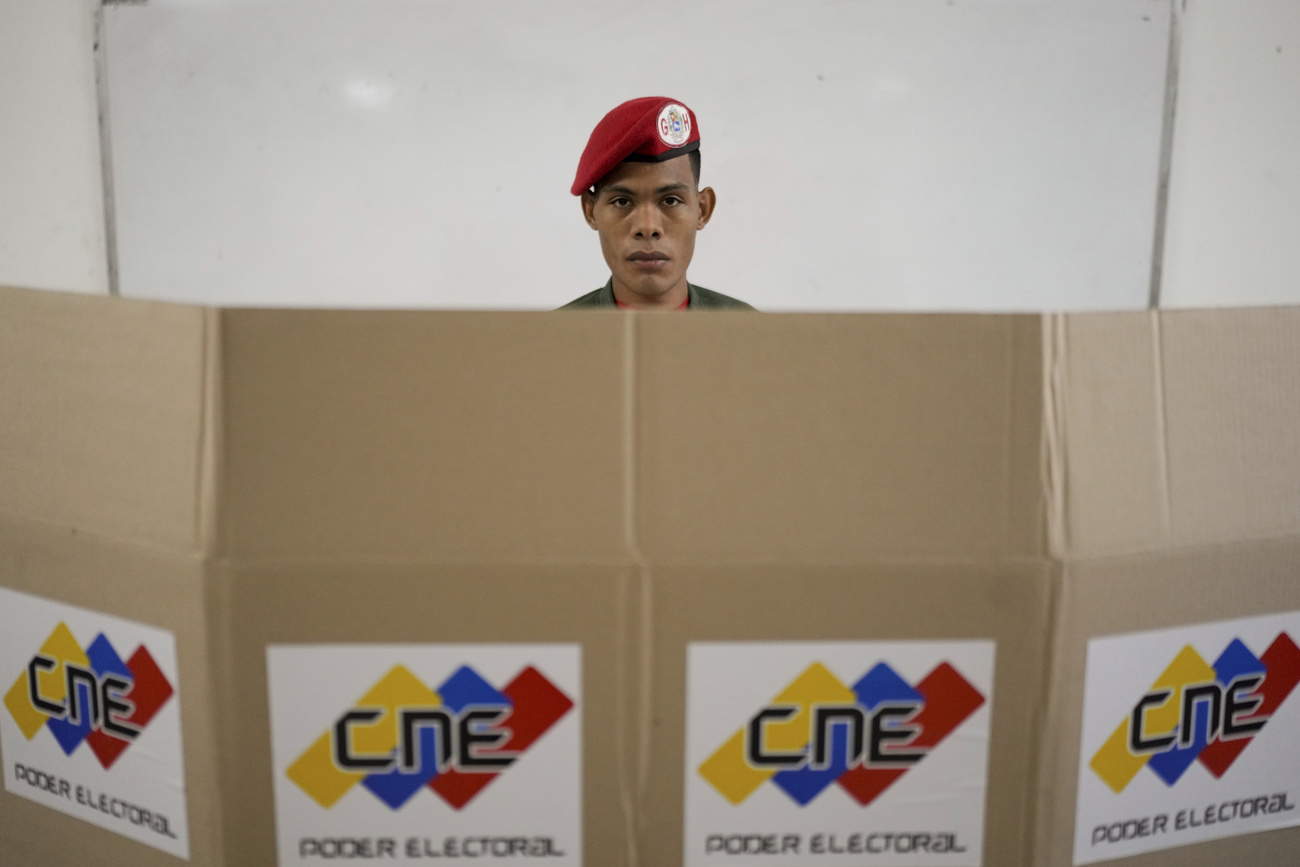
[[301, 587]]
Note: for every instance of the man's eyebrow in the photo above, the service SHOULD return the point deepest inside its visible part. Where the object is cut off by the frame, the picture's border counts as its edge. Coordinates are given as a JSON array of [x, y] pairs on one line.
[[627, 191]]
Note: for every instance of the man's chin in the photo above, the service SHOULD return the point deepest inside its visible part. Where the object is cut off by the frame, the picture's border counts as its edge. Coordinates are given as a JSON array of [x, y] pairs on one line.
[[650, 290]]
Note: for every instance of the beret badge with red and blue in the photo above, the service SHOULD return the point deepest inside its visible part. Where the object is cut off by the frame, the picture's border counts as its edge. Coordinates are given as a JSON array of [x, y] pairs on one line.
[[648, 129]]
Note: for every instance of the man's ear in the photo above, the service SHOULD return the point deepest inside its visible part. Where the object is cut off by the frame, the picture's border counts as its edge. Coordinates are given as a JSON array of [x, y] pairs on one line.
[[708, 199], [589, 208]]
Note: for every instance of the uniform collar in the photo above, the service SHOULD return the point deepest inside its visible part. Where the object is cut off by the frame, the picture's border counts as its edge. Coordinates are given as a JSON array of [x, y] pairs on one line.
[[607, 295]]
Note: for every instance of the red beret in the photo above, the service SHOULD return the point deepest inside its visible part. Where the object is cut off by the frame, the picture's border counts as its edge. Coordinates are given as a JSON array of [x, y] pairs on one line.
[[650, 129]]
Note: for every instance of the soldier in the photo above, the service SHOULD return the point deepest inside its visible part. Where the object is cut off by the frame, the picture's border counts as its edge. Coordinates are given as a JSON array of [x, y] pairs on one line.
[[639, 180]]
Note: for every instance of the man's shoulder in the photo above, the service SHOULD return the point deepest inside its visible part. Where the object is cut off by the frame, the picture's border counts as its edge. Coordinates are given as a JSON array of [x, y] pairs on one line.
[[707, 299], [602, 297], [701, 299]]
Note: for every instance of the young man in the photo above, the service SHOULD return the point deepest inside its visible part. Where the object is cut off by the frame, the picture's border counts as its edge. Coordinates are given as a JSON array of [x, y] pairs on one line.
[[639, 181]]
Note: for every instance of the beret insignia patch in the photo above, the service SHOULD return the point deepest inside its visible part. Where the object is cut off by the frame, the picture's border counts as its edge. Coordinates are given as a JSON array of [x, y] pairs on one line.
[[674, 125]]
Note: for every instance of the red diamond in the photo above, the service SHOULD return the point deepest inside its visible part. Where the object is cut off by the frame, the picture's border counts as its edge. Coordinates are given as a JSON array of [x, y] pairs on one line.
[[149, 692], [1282, 662], [949, 699], [538, 705]]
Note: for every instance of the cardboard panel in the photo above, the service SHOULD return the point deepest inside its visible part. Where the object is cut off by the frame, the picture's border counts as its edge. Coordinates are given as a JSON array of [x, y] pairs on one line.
[[633, 484], [103, 415], [138, 583], [1134, 594], [401, 436], [821, 438], [1232, 397], [254, 607], [1180, 428], [869, 602], [1112, 427]]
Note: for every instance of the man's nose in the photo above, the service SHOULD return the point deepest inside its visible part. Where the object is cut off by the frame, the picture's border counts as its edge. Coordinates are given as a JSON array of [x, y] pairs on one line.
[[647, 222]]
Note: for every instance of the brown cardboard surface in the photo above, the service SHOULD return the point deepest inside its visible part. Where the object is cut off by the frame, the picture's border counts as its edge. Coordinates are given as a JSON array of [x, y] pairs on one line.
[[253, 607], [422, 436], [143, 584], [1108, 394], [634, 483], [1178, 428], [864, 440], [838, 438], [102, 421], [1119, 595], [1232, 403], [1009, 604]]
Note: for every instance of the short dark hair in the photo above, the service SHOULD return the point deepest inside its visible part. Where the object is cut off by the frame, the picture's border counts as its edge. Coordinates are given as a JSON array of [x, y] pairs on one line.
[[693, 158]]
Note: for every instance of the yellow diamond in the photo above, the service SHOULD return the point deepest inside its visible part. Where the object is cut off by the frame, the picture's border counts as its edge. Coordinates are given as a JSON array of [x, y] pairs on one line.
[[1115, 763], [315, 772], [727, 769]]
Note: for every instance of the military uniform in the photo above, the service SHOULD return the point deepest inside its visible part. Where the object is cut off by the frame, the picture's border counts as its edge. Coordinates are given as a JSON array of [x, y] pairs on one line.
[[700, 299]]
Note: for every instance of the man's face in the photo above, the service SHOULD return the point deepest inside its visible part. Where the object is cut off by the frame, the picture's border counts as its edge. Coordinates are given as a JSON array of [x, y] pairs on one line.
[[647, 215]]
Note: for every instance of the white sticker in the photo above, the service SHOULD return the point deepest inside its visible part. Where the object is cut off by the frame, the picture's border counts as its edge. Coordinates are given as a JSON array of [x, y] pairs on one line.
[[1189, 734], [91, 725], [837, 753], [412, 752], [674, 125]]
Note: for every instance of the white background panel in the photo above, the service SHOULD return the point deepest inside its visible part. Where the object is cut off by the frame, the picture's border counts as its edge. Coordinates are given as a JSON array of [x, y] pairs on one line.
[[1233, 233], [51, 192], [894, 154]]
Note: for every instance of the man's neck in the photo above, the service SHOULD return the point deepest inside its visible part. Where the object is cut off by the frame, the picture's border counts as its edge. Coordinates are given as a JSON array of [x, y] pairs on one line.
[[671, 300]]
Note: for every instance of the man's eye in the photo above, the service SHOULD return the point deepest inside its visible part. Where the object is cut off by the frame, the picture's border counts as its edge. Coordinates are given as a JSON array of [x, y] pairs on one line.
[[672, 200], [619, 202]]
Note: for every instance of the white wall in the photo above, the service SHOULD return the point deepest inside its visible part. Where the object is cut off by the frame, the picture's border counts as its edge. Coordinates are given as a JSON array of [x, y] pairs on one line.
[[51, 193], [894, 154], [1233, 234], [1234, 208]]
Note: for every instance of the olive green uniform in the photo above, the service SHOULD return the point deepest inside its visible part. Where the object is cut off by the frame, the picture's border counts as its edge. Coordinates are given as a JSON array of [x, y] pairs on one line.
[[700, 299]]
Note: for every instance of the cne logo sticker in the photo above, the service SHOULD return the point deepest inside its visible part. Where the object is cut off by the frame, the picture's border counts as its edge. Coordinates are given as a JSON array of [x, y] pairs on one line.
[[1200, 712], [402, 736], [87, 696], [841, 753], [818, 731], [91, 719], [410, 752], [1189, 735]]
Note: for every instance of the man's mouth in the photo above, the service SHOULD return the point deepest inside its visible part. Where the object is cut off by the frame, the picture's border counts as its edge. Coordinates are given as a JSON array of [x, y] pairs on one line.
[[648, 260]]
